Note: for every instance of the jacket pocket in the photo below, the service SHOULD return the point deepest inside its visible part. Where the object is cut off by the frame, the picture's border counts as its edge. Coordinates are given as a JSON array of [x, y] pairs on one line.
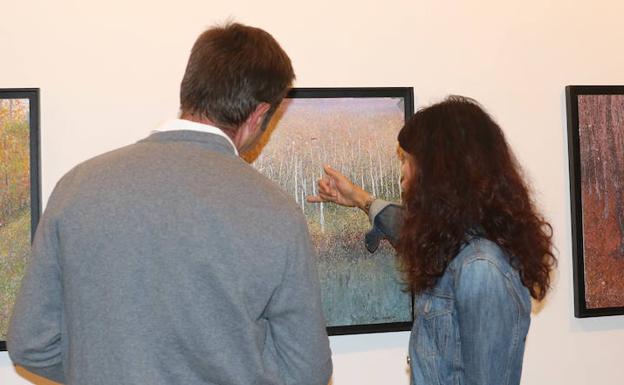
[[434, 322]]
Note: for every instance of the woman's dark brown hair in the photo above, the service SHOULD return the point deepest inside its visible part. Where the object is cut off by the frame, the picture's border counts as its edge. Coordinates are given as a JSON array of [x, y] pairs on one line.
[[466, 181]]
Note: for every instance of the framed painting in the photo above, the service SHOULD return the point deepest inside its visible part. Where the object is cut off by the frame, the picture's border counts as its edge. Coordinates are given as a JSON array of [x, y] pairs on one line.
[[596, 148], [354, 130], [20, 192]]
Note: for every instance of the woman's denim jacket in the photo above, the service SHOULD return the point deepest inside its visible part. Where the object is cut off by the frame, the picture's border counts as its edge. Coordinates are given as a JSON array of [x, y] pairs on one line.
[[470, 328]]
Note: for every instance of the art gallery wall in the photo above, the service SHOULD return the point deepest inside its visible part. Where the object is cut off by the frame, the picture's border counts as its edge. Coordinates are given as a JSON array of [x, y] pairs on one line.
[[109, 72]]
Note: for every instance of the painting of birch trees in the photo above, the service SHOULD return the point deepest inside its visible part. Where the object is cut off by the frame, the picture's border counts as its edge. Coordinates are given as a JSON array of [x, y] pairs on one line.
[[15, 210], [357, 136]]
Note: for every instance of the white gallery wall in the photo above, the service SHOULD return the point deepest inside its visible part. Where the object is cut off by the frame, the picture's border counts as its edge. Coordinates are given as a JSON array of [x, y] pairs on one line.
[[109, 72]]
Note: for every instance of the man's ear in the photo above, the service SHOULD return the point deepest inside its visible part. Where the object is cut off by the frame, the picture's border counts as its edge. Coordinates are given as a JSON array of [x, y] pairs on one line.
[[257, 116], [250, 129]]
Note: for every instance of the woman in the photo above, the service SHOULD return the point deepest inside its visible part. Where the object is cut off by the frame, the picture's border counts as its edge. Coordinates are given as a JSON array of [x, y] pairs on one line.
[[471, 244]]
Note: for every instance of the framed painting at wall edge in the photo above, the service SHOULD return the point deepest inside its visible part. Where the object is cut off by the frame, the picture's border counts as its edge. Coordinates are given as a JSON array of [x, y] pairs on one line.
[[595, 116], [354, 130], [20, 191]]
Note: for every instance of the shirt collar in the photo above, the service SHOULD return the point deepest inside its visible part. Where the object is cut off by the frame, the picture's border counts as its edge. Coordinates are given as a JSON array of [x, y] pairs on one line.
[[182, 124]]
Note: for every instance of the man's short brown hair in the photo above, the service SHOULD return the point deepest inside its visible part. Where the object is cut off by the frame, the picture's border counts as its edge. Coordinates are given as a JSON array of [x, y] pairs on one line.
[[231, 70]]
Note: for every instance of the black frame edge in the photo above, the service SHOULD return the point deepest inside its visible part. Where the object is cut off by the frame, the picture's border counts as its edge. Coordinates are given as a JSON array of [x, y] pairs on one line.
[[369, 329], [575, 201]]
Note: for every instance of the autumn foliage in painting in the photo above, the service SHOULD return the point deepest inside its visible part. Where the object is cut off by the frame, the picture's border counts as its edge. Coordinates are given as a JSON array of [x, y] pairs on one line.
[[358, 138], [14, 201], [601, 134]]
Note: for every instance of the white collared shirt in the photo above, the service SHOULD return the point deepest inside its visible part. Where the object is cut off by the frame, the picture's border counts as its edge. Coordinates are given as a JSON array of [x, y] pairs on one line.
[[182, 124]]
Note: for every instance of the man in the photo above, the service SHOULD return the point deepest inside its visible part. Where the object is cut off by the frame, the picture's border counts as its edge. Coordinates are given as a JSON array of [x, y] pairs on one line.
[[172, 261]]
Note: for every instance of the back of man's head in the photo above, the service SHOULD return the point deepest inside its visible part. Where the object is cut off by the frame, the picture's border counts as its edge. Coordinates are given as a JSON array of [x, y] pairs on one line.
[[232, 69]]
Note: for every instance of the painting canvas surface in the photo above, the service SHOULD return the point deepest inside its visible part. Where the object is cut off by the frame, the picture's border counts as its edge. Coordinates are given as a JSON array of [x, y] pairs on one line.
[[601, 139], [15, 201], [357, 136]]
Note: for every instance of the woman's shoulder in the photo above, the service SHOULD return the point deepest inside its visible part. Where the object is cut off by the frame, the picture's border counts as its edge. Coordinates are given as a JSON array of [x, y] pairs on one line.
[[482, 263], [482, 251]]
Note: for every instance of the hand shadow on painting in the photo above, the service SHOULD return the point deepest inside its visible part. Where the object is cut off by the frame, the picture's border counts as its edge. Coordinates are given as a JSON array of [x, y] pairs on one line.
[[251, 155]]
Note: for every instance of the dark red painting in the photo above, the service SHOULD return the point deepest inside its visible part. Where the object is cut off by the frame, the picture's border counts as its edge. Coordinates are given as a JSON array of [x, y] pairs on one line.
[[599, 129]]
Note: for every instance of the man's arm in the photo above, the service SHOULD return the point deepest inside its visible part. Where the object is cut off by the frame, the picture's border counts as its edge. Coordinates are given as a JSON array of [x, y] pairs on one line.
[[296, 319], [34, 336]]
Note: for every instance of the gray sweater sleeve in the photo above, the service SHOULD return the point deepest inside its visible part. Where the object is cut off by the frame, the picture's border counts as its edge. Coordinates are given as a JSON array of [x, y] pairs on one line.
[[296, 319], [34, 336]]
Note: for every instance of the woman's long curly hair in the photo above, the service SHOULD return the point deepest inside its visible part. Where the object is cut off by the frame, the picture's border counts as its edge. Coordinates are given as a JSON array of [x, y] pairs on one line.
[[467, 180]]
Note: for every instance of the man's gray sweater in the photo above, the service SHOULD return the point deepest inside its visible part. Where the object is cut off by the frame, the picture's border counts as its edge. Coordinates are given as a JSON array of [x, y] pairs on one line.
[[171, 261]]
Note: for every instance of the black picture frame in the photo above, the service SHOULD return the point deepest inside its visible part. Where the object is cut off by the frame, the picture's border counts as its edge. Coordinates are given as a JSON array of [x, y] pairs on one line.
[[407, 96], [33, 96], [581, 261]]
